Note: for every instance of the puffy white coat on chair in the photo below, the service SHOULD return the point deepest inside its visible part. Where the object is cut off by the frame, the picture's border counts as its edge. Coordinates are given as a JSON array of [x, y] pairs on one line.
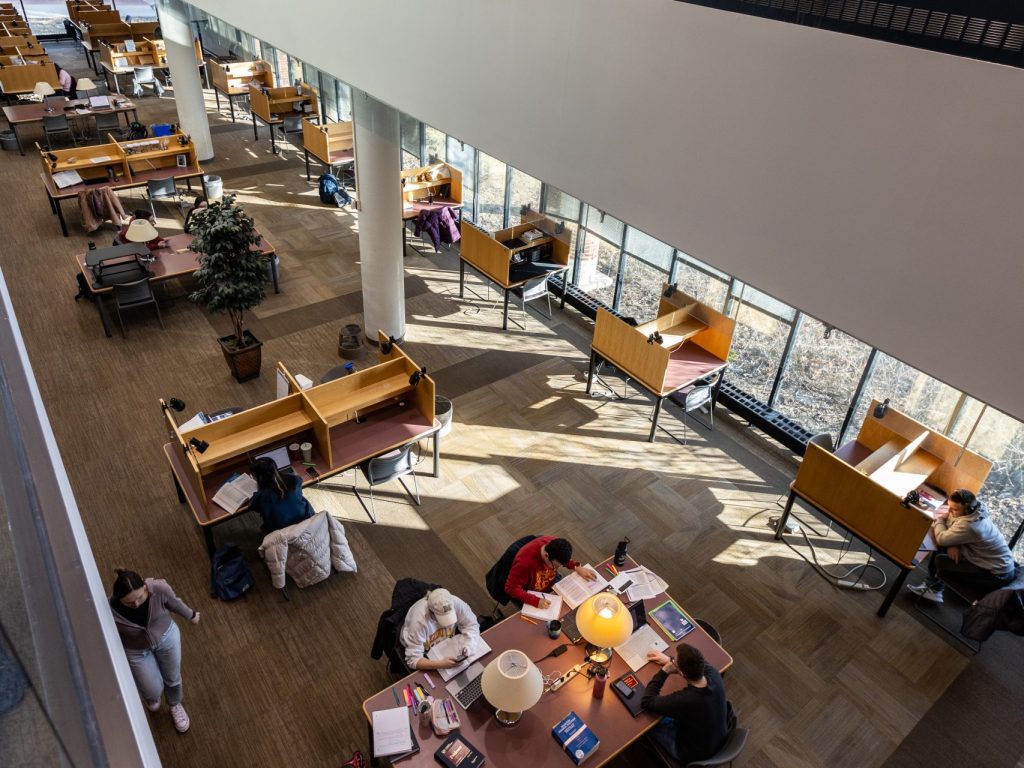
[[306, 551]]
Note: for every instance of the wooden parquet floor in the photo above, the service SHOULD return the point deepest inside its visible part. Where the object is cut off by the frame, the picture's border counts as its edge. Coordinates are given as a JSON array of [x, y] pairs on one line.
[[819, 679]]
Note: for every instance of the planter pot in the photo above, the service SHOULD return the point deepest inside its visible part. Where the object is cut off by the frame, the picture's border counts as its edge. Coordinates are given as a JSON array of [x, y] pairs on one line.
[[243, 361], [443, 412]]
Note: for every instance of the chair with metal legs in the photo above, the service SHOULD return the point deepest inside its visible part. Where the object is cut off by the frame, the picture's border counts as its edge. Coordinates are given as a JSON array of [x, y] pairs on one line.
[[382, 469]]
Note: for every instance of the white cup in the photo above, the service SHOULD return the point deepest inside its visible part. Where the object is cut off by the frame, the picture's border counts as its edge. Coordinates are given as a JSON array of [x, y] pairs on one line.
[[307, 452]]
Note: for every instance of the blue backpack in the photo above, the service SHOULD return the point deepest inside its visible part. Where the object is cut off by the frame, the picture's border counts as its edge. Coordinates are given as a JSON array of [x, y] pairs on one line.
[[230, 577], [329, 187]]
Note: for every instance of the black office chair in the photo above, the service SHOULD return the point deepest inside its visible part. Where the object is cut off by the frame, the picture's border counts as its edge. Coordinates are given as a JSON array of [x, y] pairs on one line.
[[496, 577], [135, 294], [291, 125], [732, 748], [108, 123], [382, 469], [532, 291], [388, 639], [57, 124], [162, 189]]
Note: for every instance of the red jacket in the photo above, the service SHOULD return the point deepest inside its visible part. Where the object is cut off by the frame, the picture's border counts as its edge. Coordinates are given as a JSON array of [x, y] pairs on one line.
[[529, 571]]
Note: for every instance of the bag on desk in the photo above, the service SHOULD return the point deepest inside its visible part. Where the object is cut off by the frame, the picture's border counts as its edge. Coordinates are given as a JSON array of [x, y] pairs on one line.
[[230, 577]]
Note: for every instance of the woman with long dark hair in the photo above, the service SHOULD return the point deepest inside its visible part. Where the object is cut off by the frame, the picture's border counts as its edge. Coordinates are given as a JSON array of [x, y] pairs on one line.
[[142, 612], [279, 500]]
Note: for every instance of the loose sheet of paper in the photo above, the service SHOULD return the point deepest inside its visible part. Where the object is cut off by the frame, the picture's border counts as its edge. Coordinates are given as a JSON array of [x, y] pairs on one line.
[[391, 732], [574, 589], [634, 651], [646, 584], [544, 614], [452, 646]]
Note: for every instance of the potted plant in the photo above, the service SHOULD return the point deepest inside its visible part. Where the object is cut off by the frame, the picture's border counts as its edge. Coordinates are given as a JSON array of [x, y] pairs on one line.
[[231, 277]]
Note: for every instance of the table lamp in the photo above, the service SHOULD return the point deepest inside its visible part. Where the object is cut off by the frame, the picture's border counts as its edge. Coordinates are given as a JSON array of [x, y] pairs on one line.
[[86, 86], [511, 684], [42, 90], [604, 623], [141, 231]]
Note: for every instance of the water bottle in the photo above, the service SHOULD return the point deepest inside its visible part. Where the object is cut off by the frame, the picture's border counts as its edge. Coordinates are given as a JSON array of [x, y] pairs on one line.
[[620, 552], [600, 680], [92, 246]]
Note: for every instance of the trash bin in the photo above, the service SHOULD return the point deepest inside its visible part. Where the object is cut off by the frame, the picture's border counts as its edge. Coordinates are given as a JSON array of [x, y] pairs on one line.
[[213, 186], [443, 412], [8, 140]]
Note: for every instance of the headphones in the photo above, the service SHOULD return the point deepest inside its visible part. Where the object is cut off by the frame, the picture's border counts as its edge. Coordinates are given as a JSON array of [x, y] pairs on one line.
[[971, 502]]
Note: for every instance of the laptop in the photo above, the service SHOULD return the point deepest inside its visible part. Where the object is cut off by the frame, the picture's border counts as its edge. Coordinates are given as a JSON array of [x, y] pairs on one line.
[[466, 687], [279, 457], [572, 632]]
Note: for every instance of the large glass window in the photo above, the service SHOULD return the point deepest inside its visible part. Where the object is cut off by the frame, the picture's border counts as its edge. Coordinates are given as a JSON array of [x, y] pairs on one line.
[[599, 267], [914, 393], [463, 157], [410, 142], [704, 283], [649, 249], [762, 327], [343, 93], [608, 227], [329, 96], [491, 214], [821, 377], [565, 208], [524, 190], [641, 289], [1000, 439], [435, 142]]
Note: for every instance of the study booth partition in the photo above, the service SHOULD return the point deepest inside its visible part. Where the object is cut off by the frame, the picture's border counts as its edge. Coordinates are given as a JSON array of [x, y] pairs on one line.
[[514, 257], [232, 79], [22, 78], [331, 144], [347, 421], [864, 486], [688, 342], [107, 26], [428, 189], [118, 164], [273, 105]]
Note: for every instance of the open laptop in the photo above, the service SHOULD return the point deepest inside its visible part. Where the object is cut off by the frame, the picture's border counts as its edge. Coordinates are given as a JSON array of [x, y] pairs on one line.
[[279, 457], [465, 687]]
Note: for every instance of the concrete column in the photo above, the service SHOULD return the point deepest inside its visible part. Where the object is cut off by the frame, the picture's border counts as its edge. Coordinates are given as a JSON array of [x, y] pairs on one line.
[[188, 90], [378, 165]]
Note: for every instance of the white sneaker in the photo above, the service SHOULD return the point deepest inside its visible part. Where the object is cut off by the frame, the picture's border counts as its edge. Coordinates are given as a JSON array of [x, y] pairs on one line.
[[153, 706], [927, 592], [180, 717]]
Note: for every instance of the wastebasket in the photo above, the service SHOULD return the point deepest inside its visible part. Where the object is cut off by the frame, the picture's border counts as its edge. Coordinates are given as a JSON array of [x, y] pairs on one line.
[[443, 412], [8, 140], [213, 187]]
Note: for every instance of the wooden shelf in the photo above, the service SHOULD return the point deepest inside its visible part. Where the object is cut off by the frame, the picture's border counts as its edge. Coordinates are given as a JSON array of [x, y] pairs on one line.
[[879, 457], [678, 334], [254, 437], [337, 408]]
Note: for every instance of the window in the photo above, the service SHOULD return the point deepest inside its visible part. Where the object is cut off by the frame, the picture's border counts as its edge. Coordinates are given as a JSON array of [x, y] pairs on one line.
[[329, 95], [641, 289], [821, 377], [435, 143], [704, 283], [524, 189], [758, 341], [1000, 439], [599, 268], [606, 226], [652, 251], [343, 95], [561, 205], [410, 142], [491, 214], [463, 157], [914, 393]]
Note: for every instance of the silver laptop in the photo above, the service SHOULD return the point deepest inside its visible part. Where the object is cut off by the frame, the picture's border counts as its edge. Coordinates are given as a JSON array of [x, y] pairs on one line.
[[465, 687], [279, 456]]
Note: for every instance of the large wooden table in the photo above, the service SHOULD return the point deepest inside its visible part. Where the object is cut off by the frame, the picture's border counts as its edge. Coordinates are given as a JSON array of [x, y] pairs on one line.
[[34, 112], [529, 741], [174, 260]]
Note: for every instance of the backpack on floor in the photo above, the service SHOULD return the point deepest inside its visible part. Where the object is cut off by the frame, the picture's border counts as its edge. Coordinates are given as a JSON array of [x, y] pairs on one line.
[[329, 187], [230, 577], [136, 130]]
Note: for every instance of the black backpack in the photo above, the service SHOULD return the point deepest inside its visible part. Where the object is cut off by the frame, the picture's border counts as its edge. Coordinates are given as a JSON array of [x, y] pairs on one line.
[[230, 577], [328, 187], [136, 130]]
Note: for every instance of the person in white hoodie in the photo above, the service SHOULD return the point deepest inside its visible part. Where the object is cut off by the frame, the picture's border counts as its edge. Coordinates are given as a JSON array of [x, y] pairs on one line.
[[971, 547], [433, 618]]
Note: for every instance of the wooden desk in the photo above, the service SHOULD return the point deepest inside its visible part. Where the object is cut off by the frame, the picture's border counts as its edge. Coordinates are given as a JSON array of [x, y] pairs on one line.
[[330, 144], [430, 188], [392, 412], [862, 485], [500, 258], [34, 112], [232, 79], [695, 346], [172, 261], [119, 164], [99, 27], [273, 105], [530, 739]]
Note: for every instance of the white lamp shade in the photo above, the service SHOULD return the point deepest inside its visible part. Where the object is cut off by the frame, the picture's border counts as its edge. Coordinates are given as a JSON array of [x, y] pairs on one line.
[[85, 84], [512, 683], [43, 89], [604, 621], [141, 231]]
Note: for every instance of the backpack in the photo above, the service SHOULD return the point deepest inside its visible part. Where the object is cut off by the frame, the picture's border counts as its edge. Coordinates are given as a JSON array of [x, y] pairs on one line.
[[329, 186], [136, 130], [230, 577]]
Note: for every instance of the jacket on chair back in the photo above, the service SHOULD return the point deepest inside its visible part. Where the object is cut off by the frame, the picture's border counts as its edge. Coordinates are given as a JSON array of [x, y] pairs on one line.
[[307, 550]]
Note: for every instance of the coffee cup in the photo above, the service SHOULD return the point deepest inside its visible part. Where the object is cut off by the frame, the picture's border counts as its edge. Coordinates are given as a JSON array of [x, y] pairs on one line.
[[554, 629], [307, 452], [294, 452]]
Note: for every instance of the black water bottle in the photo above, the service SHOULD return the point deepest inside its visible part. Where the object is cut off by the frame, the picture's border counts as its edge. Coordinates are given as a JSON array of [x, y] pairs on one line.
[[620, 552], [92, 246]]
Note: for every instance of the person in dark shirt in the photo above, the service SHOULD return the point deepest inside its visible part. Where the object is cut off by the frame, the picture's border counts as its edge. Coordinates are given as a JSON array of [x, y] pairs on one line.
[[694, 721], [279, 500]]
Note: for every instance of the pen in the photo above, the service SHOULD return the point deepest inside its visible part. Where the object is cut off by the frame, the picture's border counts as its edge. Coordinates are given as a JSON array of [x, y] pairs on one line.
[[527, 618], [395, 694]]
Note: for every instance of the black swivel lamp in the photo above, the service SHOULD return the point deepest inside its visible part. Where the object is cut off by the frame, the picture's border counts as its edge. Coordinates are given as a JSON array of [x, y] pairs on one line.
[[881, 409], [199, 445]]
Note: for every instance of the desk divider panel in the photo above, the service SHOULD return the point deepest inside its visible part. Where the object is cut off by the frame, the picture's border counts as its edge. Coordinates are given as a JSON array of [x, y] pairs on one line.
[[81, 159], [325, 139], [419, 182], [484, 252], [716, 338], [22, 78], [423, 393], [627, 348], [234, 77]]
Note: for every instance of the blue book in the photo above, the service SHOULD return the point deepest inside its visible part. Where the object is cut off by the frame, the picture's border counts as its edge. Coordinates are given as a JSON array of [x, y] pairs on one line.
[[575, 737]]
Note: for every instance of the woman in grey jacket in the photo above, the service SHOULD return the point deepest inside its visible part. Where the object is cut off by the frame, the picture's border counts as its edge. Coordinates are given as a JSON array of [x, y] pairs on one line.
[[971, 547], [142, 612]]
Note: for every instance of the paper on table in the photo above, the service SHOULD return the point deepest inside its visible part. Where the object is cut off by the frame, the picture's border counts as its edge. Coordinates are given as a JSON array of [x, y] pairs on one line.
[[104, 159], [619, 582], [634, 651], [646, 585], [574, 589], [452, 646], [392, 733], [544, 614]]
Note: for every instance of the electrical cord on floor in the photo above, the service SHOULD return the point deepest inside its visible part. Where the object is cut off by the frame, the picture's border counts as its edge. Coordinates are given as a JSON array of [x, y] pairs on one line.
[[843, 581]]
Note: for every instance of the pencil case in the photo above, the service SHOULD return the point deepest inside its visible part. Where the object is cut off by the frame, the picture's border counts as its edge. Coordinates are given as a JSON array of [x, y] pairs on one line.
[[444, 717]]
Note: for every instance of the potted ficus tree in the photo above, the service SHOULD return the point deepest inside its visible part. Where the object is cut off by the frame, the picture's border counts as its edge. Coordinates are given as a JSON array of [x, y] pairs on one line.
[[231, 277]]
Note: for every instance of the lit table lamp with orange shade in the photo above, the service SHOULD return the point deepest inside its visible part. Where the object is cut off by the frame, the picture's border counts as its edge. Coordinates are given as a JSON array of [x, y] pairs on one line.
[[512, 684], [604, 623]]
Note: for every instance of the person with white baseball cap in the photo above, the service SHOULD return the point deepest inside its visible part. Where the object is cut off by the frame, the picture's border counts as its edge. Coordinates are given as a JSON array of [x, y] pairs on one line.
[[437, 616]]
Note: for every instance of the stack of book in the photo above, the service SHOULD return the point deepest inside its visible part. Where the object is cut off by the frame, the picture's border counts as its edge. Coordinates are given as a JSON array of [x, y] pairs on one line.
[[575, 737]]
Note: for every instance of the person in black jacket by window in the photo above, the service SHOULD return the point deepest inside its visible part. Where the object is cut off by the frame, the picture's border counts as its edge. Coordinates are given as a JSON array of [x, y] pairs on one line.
[[694, 720]]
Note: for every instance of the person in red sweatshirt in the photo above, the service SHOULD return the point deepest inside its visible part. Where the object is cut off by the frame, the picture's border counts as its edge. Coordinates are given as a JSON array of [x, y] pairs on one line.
[[535, 568]]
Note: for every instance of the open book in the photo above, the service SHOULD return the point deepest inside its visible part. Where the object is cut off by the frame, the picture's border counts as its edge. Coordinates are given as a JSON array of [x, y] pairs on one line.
[[453, 646], [66, 179], [574, 589], [235, 492], [544, 614]]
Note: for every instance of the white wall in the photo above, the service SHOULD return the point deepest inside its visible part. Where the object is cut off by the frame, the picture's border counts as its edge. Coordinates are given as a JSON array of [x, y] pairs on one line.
[[867, 184]]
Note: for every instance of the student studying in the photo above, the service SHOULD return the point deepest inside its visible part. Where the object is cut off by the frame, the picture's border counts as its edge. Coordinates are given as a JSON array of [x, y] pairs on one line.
[[432, 619], [535, 568]]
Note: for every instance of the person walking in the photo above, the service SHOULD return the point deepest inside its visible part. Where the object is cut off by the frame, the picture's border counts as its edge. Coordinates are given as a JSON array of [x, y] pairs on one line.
[[142, 611]]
